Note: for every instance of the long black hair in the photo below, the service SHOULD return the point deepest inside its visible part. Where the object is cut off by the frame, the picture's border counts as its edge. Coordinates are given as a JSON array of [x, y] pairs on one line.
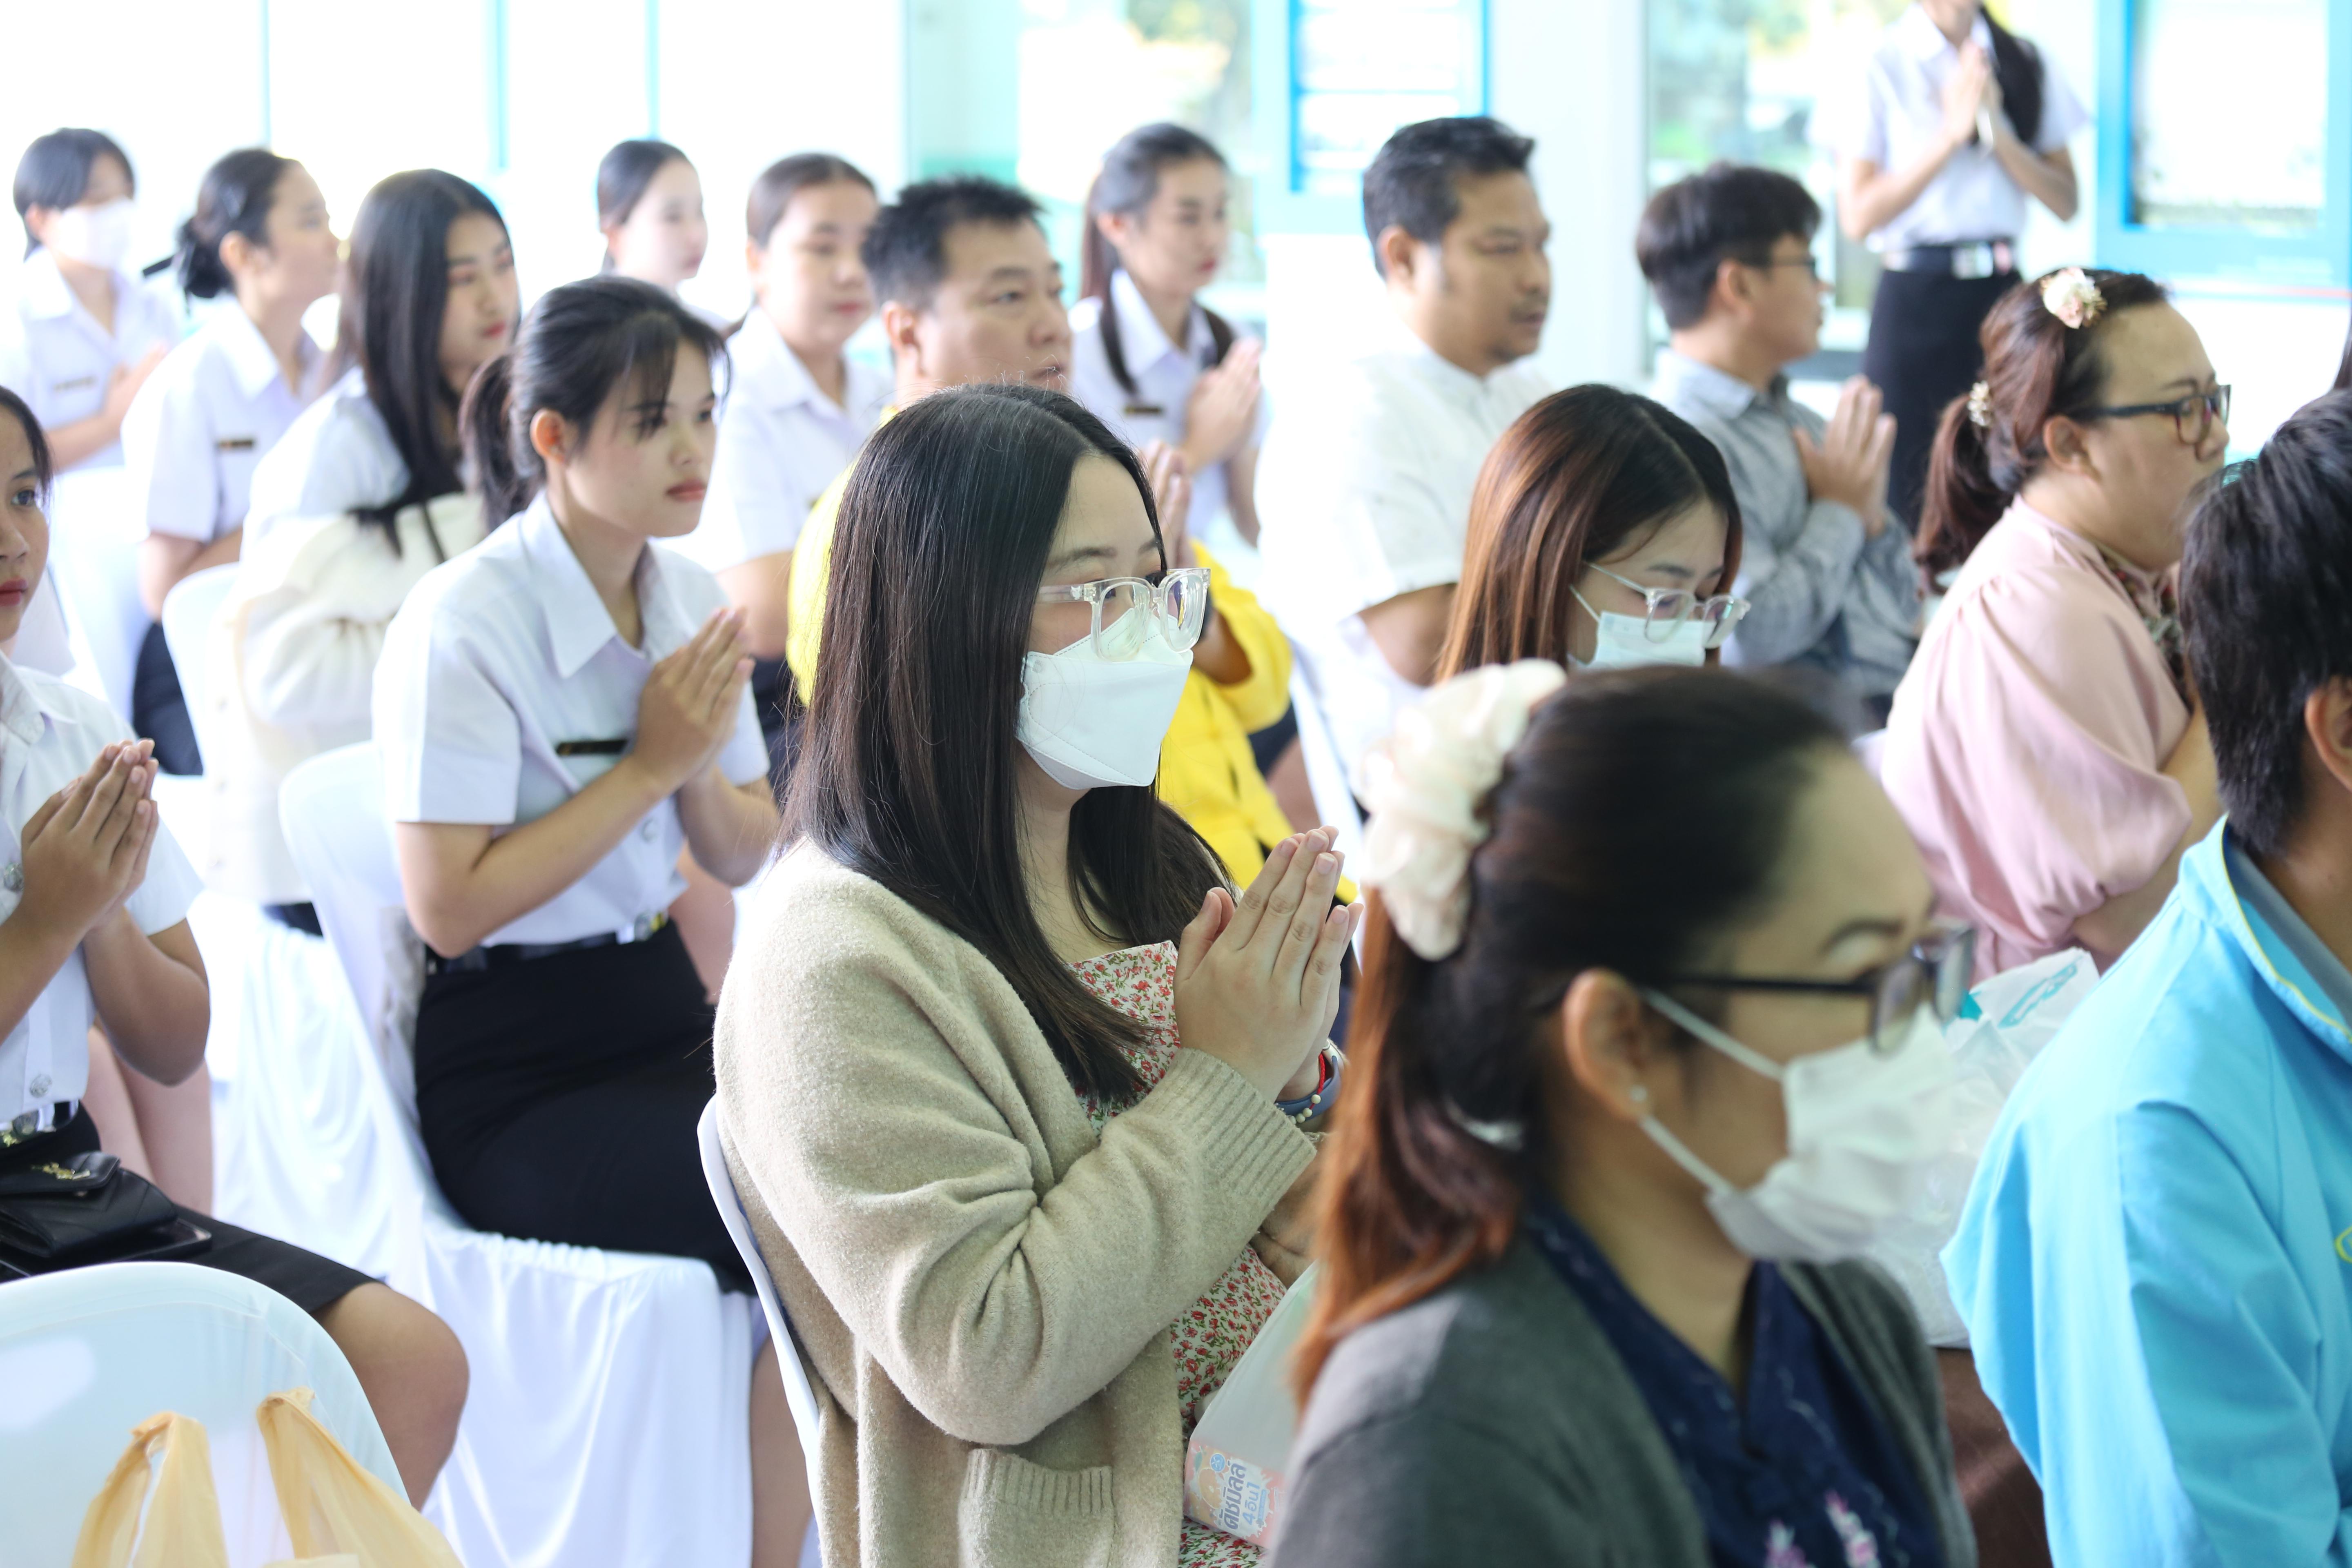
[[579, 342], [908, 767], [235, 198], [2017, 67], [1129, 180], [45, 469], [55, 172], [395, 292], [622, 179]]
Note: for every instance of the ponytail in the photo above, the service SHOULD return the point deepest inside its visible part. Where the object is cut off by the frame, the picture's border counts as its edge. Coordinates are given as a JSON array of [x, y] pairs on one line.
[[1989, 444], [498, 475], [2017, 68], [579, 342], [235, 198], [1127, 180]]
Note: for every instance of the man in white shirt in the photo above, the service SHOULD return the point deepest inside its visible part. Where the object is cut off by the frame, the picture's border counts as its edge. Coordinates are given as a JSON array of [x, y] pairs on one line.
[[1364, 486]]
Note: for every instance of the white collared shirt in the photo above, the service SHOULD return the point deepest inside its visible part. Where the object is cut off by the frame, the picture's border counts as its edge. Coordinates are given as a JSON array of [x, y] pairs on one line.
[[1894, 112], [337, 457], [1164, 374], [1364, 495], [781, 442], [49, 734], [201, 424], [55, 356], [507, 653]]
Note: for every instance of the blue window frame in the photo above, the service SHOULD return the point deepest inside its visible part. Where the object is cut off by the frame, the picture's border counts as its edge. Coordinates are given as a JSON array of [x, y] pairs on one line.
[[2225, 140], [1335, 78]]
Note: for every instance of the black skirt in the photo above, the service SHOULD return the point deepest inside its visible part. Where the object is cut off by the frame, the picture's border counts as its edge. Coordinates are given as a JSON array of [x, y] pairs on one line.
[[559, 1099], [1923, 352], [311, 1282]]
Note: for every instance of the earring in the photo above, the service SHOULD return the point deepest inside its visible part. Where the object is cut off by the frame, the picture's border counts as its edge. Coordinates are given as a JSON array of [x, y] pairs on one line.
[[1639, 1094]]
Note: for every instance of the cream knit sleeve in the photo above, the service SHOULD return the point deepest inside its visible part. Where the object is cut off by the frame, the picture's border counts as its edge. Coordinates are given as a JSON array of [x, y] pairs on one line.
[[917, 1142]]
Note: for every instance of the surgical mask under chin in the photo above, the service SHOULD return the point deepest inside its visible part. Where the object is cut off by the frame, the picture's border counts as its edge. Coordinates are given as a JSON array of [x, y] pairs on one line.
[[1093, 723], [1624, 642], [1862, 1129], [94, 236]]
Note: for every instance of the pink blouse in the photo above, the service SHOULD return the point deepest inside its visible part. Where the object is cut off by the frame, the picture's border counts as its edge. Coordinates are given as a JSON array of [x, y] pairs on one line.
[[2027, 742]]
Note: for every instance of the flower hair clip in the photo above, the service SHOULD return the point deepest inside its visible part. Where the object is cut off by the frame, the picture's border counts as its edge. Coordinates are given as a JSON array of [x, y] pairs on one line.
[[1423, 786], [2073, 298], [1981, 405]]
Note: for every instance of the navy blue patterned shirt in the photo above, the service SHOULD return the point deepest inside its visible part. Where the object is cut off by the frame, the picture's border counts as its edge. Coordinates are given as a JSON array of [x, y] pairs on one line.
[[1807, 1475]]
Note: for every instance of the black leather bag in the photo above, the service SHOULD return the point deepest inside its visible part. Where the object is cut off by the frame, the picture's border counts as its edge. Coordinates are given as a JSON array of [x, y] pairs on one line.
[[61, 1213]]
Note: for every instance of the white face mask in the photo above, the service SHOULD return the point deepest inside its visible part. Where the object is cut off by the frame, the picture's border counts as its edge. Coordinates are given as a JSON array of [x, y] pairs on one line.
[[1862, 1130], [1092, 722], [95, 237], [1624, 642]]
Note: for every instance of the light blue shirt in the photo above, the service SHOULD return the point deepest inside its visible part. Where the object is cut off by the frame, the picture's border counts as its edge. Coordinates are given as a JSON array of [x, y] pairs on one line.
[[2156, 1259]]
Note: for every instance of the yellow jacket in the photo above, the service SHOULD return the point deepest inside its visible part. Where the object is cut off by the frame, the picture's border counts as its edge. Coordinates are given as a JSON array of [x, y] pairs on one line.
[[1206, 770]]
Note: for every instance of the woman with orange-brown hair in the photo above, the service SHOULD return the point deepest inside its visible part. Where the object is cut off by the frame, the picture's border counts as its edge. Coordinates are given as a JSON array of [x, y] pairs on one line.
[[1601, 529], [1648, 1049]]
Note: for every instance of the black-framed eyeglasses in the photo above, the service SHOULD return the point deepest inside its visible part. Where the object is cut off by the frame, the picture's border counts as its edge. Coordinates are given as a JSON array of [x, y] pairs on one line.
[[2202, 408], [1935, 973]]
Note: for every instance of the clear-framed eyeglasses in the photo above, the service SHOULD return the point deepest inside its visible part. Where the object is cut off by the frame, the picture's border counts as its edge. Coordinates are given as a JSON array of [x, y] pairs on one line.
[[1178, 603], [1670, 607], [1935, 973]]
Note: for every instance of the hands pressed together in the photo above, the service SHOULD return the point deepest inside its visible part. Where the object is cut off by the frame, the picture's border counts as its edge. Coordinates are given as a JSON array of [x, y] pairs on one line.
[[1850, 460], [85, 850], [1257, 983], [687, 711]]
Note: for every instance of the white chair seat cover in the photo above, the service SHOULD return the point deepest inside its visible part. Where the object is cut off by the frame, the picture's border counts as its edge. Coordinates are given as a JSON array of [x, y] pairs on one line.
[[89, 1354], [608, 1420], [95, 526]]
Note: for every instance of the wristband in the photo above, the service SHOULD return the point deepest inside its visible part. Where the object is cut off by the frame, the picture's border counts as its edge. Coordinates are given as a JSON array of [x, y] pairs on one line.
[[1323, 1096]]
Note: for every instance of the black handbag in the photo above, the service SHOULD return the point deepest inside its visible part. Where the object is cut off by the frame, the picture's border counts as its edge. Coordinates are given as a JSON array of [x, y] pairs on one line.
[[63, 1213]]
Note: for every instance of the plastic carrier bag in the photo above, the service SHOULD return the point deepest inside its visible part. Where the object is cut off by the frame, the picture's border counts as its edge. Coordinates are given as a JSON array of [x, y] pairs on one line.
[[338, 1514], [2003, 1026], [1235, 1465]]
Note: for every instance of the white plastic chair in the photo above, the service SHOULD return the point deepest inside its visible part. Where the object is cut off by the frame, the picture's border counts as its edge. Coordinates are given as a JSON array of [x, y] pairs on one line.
[[95, 526], [189, 611], [609, 1418], [1329, 775], [1870, 751], [89, 1354]]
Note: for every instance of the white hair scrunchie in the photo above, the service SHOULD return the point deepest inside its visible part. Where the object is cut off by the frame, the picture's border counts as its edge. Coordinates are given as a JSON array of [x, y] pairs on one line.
[[1422, 788]]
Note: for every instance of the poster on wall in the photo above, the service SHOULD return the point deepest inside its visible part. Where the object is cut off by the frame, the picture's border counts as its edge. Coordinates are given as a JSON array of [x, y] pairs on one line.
[[2229, 115]]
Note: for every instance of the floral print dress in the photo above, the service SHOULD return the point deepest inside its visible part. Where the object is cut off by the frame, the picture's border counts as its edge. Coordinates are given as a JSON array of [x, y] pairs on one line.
[[1210, 1335]]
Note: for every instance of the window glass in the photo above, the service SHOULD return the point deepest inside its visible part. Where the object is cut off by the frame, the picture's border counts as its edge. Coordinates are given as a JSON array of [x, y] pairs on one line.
[[2194, 163]]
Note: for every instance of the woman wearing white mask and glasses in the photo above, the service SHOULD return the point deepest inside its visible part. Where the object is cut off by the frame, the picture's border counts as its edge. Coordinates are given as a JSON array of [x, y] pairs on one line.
[[83, 333], [1647, 1049], [1012, 1084], [1601, 532]]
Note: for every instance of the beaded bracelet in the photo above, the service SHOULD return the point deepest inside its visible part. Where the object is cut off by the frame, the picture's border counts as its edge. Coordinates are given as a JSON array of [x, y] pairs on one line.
[[1323, 1096]]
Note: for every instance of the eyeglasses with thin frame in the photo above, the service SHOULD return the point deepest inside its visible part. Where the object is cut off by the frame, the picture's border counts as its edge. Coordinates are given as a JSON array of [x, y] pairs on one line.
[[2205, 407], [1666, 608], [1178, 601], [1935, 974], [1808, 261]]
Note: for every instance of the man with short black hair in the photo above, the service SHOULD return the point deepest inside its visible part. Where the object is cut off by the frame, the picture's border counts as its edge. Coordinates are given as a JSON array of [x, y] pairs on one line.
[[968, 292], [1364, 484], [1826, 570], [2153, 1261]]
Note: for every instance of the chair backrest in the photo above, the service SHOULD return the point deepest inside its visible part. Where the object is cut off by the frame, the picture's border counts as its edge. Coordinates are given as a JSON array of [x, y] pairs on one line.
[[1328, 774], [95, 526], [332, 807], [1870, 749], [798, 1394], [88, 1353], [189, 611]]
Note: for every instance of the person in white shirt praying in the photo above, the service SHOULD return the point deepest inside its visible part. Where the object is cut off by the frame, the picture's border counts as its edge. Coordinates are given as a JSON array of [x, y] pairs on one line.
[[1364, 485]]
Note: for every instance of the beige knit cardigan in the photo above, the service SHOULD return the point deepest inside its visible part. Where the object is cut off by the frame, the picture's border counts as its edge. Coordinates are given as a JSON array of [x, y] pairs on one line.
[[983, 1289]]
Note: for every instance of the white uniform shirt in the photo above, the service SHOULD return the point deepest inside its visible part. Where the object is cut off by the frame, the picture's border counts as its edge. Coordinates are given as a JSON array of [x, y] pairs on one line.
[[55, 356], [1163, 374], [504, 654], [1895, 112], [1364, 493], [201, 424], [49, 734], [337, 457], [781, 442]]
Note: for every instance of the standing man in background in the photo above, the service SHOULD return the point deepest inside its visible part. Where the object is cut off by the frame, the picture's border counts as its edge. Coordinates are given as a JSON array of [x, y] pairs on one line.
[[1364, 484]]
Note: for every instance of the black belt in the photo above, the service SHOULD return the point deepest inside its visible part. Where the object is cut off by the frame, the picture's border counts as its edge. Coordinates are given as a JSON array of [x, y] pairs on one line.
[[479, 960], [39, 1122], [1966, 259]]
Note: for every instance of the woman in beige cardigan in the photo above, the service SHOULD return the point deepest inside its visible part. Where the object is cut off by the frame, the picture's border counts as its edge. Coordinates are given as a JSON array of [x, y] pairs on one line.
[[1021, 1230]]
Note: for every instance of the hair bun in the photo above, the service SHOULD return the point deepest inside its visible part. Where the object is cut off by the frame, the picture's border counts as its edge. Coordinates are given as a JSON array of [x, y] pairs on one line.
[[198, 265]]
